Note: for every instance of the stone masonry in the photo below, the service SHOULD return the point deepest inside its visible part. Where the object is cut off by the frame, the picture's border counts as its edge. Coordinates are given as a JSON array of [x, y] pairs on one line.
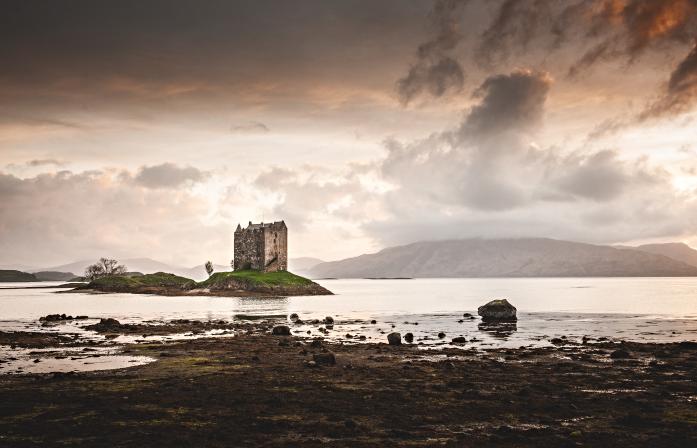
[[262, 247]]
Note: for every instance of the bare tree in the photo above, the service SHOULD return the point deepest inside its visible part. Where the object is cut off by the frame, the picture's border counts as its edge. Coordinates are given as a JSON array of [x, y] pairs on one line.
[[209, 268], [103, 268]]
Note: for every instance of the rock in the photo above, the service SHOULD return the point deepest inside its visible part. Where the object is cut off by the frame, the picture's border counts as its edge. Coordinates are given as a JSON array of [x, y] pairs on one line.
[[441, 335], [620, 354], [281, 330], [498, 311], [467, 315], [293, 317], [349, 336], [324, 359], [60, 317], [311, 364], [329, 320], [394, 339], [316, 343], [459, 340], [409, 337], [373, 321], [105, 325]]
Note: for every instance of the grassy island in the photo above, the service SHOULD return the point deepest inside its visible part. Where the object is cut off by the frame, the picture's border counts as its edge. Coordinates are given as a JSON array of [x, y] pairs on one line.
[[158, 279], [246, 282], [278, 278]]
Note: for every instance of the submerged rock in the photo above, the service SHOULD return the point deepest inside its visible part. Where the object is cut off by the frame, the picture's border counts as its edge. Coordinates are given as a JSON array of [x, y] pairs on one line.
[[394, 339], [620, 354], [281, 330], [60, 317], [107, 324], [327, 359], [498, 311]]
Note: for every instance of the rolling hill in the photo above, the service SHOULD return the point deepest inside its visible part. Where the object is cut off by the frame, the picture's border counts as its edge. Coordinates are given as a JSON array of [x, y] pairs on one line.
[[522, 257]]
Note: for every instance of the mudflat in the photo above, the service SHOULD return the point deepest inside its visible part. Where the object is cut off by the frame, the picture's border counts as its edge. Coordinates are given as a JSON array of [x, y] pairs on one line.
[[258, 389]]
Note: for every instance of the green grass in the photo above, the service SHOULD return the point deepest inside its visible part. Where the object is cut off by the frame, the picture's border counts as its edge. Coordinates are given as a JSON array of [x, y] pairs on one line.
[[162, 279], [257, 278], [157, 279]]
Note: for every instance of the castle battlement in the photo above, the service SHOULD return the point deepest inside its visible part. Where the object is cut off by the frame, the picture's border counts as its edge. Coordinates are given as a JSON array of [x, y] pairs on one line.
[[262, 247]]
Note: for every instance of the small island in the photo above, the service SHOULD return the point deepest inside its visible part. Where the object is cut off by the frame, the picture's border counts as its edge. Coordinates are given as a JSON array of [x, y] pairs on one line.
[[260, 269], [243, 283]]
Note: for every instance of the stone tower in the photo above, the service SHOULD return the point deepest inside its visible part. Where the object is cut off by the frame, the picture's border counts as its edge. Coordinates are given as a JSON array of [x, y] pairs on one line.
[[262, 247]]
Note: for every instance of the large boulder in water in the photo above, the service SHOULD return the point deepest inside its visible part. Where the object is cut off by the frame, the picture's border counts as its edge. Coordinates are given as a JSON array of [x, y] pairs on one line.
[[498, 311], [394, 339]]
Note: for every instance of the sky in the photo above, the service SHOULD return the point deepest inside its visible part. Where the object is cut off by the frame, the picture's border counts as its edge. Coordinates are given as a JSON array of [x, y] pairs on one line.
[[152, 128]]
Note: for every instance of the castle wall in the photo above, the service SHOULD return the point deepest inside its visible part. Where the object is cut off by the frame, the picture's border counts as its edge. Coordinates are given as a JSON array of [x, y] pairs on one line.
[[276, 247], [249, 249], [262, 247]]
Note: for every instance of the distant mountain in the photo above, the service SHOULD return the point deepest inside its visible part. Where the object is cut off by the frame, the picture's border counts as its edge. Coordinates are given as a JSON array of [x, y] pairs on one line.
[[54, 276], [523, 257], [144, 265], [676, 251], [18, 267], [150, 266], [11, 275], [303, 264]]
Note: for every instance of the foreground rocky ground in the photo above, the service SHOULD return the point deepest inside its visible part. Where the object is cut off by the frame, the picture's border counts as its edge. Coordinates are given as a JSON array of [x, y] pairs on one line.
[[257, 389]]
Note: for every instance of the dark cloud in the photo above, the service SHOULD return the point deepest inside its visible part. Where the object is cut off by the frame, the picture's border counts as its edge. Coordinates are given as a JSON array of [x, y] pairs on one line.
[[168, 175], [253, 127], [508, 102], [435, 72], [44, 162], [599, 30], [680, 93], [475, 166], [515, 24]]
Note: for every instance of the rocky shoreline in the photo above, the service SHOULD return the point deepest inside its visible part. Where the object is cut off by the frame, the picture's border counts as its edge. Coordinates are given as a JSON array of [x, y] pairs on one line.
[[260, 389]]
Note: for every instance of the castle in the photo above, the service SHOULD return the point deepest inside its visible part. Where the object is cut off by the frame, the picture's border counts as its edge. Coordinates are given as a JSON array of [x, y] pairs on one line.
[[261, 247]]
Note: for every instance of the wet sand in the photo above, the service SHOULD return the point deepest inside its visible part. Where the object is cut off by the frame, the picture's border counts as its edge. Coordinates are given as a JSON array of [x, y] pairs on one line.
[[256, 389]]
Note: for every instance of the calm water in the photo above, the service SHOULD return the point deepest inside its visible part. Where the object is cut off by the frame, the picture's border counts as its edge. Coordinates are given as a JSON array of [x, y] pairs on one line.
[[650, 309]]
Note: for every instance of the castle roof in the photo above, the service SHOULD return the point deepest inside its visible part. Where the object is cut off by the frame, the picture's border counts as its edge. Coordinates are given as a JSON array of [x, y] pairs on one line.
[[262, 225]]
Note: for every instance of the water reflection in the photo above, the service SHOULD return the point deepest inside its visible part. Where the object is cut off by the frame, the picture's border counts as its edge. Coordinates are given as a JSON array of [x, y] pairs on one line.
[[498, 330]]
